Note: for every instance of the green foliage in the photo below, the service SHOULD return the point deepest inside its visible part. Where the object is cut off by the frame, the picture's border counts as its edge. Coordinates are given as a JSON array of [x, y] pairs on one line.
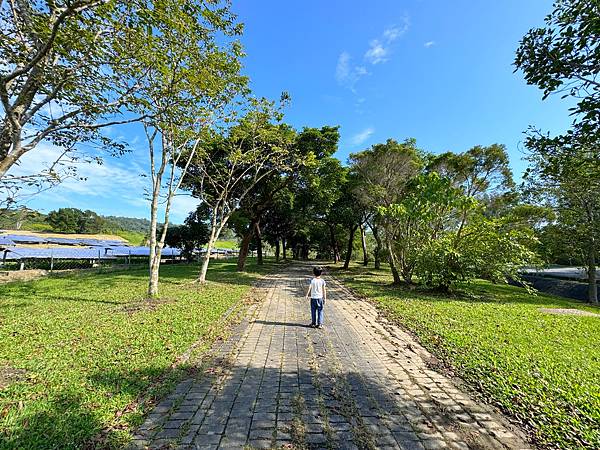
[[478, 170], [423, 215], [540, 368], [192, 235], [564, 56], [564, 174], [73, 220], [134, 224], [486, 248], [232, 245], [90, 345]]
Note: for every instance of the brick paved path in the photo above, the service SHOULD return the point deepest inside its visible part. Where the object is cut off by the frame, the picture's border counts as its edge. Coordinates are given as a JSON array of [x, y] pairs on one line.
[[359, 383]]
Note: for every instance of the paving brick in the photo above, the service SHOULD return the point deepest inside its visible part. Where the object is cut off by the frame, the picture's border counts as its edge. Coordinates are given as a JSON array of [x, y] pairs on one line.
[[369, 376]]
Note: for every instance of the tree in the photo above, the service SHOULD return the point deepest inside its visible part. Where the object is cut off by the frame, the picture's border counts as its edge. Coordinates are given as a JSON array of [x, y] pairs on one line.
[[565, 174], [309, 147], [323, 190], [480, 172], [383, 172], [228, 167], [188, 79], [65, 220], [564, 57], [60, 66], [347, 212], [488, 248], [429, 207], [190, 236]]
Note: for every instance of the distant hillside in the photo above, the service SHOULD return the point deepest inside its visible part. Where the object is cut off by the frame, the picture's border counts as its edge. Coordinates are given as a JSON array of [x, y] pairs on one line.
[[29, 219], [129, 223]]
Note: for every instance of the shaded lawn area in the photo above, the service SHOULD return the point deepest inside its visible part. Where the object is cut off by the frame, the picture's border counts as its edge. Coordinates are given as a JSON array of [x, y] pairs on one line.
[[75, 351], [543, 369]]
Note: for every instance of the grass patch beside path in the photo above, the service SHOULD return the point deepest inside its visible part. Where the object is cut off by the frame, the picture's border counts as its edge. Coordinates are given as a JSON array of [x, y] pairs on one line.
[[544, 369], [75, 351]]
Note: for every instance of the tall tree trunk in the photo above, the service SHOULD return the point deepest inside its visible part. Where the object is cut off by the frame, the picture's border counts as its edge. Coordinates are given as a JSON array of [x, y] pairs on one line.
[[154, 261], [363, 240], [244, 248], [206, 260], [350, 245], [284, 247], [378, 247], [259, 247], [334, 244], [393, 266], [277, 250], [155, 244], [215, 232], [591, 270]]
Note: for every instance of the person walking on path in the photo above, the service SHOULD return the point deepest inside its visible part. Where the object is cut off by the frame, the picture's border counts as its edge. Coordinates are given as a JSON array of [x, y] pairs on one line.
[[318, 296]]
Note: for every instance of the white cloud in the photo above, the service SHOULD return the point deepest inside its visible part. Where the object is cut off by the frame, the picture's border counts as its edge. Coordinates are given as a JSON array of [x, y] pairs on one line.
[[380, 49], [182, 205], [377, 53], [429, 44], [361, 137], [342, 70], [396, 31], [346, 73]]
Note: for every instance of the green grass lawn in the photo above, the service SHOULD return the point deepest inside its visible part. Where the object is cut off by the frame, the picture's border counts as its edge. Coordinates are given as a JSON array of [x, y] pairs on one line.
[[226, 244], [543, 369], [75, 351]]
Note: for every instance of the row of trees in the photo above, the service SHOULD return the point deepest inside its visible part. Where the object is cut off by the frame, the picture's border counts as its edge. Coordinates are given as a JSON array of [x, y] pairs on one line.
[[440, 219], [71, 68]]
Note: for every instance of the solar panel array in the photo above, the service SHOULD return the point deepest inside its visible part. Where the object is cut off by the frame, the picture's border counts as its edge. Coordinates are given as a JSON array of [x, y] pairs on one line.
[[90, 242], [89, 253]]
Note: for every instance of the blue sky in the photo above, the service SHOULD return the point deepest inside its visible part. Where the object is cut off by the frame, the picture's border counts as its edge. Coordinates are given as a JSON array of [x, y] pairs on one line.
[[438, 71]]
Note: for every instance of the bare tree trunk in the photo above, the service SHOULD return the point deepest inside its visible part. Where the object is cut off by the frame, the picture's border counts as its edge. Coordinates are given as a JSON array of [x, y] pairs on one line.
[[214, 235], [378, 247], [393, 265], [350, 246], [277, 250], [154, 261], [206, 260], [363, 240], [284, 245], [244, 248], [259, 247], [591, 270], [334, 245]]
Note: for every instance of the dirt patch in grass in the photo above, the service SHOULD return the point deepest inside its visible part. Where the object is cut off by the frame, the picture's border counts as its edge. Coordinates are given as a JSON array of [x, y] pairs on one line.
[[10, 375], [21, 275], [569, 312]]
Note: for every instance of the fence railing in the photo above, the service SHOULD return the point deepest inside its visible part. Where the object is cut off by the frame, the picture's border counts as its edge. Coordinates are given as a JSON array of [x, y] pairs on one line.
[[57, 259]]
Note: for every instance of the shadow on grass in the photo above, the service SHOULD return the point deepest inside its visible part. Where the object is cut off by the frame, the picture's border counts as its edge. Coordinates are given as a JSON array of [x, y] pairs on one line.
[[64, 423]]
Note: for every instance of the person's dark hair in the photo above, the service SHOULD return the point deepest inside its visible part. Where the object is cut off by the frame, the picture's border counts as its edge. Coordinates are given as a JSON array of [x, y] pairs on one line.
[[317, 270]]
